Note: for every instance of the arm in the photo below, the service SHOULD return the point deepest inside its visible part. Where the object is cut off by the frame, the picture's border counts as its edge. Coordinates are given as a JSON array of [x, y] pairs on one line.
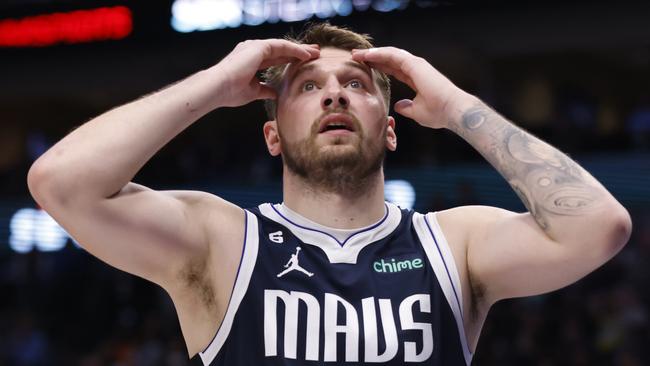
[[573, 225], [84, 180]]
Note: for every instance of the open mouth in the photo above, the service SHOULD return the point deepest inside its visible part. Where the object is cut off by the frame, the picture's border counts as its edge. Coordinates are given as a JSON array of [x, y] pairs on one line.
[[334, 127], [336, 122]]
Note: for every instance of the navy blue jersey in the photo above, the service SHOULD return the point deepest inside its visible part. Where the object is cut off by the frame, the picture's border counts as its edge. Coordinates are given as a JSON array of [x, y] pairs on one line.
[[306, 294]]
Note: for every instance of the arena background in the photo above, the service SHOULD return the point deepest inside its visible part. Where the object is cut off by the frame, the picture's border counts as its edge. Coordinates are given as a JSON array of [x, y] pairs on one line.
[[576, 74]]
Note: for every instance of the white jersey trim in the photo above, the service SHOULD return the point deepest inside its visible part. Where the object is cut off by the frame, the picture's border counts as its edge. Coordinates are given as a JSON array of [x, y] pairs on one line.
[[246, 266], [345, 251], [442, 260]]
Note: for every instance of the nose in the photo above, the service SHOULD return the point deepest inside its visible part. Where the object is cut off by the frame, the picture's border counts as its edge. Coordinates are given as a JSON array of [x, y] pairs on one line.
[[335, 97]]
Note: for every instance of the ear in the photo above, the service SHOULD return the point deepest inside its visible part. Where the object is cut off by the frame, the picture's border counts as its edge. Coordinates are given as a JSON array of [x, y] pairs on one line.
[[391, 137], [272, 137]]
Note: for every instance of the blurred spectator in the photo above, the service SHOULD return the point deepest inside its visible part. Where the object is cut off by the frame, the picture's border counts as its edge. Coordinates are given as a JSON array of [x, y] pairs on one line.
[[534, 103], [28, 345], [638, 123], [466, 194]]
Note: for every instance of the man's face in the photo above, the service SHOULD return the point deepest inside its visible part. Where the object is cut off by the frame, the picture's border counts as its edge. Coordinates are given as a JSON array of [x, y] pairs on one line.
[[332, 119]]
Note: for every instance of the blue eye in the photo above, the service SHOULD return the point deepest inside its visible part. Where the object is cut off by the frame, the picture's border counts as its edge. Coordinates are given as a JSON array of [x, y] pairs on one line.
[[308, 86], [355, 84]]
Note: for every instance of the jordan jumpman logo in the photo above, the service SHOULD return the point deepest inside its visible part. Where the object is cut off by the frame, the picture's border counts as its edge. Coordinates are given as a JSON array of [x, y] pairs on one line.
[[292, 264]]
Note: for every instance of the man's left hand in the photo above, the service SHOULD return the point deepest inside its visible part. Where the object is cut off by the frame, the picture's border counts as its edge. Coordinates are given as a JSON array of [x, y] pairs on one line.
[[437, 101]]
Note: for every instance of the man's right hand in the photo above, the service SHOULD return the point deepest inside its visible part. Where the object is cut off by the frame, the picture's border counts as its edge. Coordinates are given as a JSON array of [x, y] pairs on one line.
[[240, 67]]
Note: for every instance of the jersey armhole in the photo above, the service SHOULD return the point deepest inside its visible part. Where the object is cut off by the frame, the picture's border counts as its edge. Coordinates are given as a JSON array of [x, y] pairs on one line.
[[441, 258], [242, 280]]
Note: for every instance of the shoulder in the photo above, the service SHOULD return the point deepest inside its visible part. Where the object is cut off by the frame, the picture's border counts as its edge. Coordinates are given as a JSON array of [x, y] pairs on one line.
[[454, 224], [468, 222], [222, 223], [212, 210], [465, 224], [461, 226]]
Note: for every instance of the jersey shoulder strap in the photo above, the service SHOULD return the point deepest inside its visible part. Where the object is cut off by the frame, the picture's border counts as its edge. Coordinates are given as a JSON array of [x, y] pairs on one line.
[[440, 256]]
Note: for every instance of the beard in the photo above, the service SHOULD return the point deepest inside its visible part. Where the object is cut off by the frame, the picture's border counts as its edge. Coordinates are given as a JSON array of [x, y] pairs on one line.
[[346, 166]]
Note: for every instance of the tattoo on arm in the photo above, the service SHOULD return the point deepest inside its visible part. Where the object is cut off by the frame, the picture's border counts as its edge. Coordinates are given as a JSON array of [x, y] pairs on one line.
[[548, 182]]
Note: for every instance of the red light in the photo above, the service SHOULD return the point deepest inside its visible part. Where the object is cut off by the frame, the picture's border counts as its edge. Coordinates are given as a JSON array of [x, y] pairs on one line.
[[73, 27]]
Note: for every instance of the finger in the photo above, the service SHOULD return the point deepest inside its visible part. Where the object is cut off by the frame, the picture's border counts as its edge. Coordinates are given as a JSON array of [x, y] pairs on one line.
[[313, 49], [277, 48], [405, 108], [386, 69], [398, 74], [395, 57], [277, 61], [380, 58], [389, 60]]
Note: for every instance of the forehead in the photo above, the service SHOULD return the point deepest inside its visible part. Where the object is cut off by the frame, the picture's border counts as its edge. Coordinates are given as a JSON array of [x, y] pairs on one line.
[[330, 59]]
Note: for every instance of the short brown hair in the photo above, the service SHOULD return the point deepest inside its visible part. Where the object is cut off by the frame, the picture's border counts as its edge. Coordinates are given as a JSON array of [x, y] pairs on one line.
[[324, 35]]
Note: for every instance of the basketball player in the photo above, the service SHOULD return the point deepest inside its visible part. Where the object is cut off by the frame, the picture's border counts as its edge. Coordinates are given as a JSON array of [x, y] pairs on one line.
[[333, 274]]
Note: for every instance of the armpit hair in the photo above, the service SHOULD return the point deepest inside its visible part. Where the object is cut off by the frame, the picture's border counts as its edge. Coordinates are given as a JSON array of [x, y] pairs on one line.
[[477, 292], [194, 277]]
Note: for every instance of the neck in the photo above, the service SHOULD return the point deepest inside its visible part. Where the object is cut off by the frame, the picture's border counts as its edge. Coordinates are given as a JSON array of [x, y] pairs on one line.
[[341, 210]]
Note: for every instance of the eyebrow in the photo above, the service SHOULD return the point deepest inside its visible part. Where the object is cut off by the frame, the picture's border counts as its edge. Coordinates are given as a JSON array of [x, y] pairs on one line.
[[310, 67]]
